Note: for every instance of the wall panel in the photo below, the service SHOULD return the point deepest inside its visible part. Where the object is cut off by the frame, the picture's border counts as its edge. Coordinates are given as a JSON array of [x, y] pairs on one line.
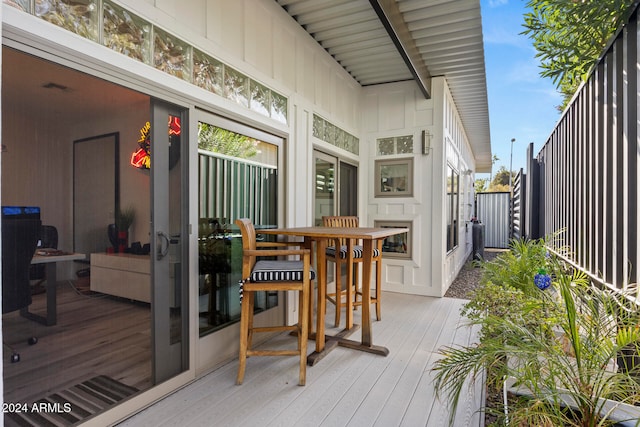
[[258, 38]]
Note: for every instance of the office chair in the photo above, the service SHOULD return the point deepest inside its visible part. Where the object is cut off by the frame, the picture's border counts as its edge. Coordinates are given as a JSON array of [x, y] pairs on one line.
[[19, 241]]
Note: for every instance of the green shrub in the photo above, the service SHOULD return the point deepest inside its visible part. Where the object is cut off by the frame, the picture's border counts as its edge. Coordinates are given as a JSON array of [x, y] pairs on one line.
[[554, 343], [517, 267]]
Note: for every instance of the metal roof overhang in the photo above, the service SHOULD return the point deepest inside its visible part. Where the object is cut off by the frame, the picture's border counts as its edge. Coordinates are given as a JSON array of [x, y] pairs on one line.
[[384, 41]]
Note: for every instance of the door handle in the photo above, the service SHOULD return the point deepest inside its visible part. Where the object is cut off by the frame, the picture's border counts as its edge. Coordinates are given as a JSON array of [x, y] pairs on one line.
[[162, 245]]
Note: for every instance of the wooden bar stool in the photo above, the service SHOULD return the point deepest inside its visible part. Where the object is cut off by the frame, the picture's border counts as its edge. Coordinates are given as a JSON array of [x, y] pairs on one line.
[[272, 275], [345, 252]]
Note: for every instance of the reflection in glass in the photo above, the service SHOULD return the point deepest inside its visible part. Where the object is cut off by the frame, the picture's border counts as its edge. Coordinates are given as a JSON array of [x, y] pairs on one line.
[[214, 266], [330, 131], [399, 245], [126, 33], [18, 4], [207, 72], [259, 98], [332, 134], [393, 178], [236, 86], [278, 107], [395, 244], [223, 141], [176, 141], [348, 184], [237, 176], [318, 126], [77, 16], [324, 190], [453, 194], [171, 55]]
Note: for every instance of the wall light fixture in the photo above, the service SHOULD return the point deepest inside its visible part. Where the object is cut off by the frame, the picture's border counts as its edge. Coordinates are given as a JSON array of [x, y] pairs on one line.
[[426, 141]]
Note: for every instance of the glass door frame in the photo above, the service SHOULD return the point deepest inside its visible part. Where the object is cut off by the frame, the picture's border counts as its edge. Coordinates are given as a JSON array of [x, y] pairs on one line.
[[338, 193], [99, 63], [169, 358], [337, 161], [217, 348]]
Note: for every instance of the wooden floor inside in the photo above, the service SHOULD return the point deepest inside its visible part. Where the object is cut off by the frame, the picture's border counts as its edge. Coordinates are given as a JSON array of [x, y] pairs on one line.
[[94, 335], [346, 388]]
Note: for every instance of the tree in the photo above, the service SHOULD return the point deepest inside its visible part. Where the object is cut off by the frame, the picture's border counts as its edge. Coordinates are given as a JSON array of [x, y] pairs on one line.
[[501, 178], [223, 141], [569, 37], [494, 159], [499, 183], [480, 185]]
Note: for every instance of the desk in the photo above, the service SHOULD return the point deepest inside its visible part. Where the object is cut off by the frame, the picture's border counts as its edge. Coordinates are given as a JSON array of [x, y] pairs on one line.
[[51, 261], [368, 235], [128, 276], [122, 274]]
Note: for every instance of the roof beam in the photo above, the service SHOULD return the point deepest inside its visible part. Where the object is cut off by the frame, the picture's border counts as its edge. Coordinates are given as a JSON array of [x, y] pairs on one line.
[[391, 18]]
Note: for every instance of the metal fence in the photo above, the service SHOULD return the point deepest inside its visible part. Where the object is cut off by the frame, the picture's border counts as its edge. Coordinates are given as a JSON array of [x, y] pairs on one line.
[[232, 188], [494, 211], [584, 181], [518, 203]]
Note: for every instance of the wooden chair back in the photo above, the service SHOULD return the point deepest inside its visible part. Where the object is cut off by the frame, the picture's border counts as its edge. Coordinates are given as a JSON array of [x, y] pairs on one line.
[[340, 222], [248, 244], [275, 276]]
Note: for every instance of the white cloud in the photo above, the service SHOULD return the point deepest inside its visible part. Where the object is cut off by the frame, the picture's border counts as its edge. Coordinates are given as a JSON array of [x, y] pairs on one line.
[[524, 72], [498, 3], [501, 35]]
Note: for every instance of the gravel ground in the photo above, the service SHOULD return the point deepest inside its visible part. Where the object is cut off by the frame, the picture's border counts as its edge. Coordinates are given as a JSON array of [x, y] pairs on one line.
[[469, 276]]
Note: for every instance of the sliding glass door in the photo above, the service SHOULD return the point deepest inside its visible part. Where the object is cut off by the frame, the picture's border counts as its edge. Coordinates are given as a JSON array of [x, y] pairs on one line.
[[348, 189], [169, 298], [238, 177], [335, 191], [336, 187], [324, 171]]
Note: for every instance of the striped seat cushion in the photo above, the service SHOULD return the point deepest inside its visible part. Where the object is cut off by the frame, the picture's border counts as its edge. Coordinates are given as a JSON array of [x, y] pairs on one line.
[[357, 251], [278, 271]]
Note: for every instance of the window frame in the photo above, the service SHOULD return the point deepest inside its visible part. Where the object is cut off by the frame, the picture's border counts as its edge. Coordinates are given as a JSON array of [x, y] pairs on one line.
[[453, 208]]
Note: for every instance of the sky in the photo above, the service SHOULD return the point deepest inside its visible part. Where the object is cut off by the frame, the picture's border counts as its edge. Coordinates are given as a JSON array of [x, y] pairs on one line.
[[522, 105]]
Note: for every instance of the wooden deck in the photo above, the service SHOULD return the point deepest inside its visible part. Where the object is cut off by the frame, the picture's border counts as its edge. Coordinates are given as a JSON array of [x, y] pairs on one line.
[[347, 388]]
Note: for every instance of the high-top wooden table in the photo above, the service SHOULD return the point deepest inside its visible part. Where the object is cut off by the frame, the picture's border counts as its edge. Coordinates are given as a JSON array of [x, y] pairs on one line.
[[321, 235]]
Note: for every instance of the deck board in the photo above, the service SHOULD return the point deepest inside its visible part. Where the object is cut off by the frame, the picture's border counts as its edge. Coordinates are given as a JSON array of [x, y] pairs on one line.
[[385, 399], [418, 362], [346, 388]]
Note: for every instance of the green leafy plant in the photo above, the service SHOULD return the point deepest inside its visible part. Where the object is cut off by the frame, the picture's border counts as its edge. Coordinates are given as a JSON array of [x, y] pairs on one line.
[[569, 37], [214, 246], [218, 140], [124, 218], [504, 302], [557, 346], [516, 267]]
